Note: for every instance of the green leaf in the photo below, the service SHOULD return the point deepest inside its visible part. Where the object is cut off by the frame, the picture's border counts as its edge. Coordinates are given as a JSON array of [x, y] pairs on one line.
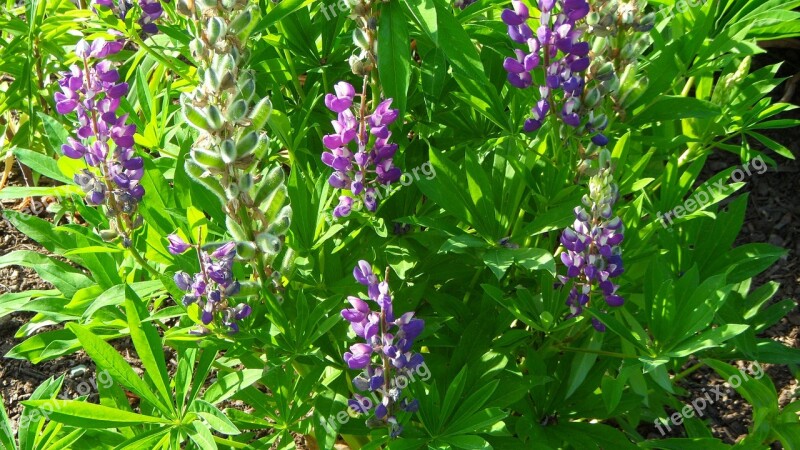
[[230, 383], [214, 417], [54, 131], [41, 164], [148, 346], [202, 436], [107, 358], [64, 277], [670, 107], [116, 295], [394, 54], [707, 339], [88, 415]]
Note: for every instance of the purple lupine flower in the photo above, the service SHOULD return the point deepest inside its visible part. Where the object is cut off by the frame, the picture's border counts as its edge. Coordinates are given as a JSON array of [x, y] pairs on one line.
[[151, 10], [360, 170], [557, 46], [177, 245], [211, 288], [388, 344], [591, 249], [103, 139]]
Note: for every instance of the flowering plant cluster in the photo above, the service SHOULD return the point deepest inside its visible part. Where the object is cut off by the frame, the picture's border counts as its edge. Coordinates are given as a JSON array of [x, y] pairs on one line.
[[151, 10], [104, 139], [211, 289], [591, 250], [362, 169], [386, 354], [205, 151]]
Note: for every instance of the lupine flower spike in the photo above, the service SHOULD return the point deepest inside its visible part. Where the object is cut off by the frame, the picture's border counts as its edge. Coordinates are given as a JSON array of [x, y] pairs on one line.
[[104, 140], [362, 167], [211, 288], [591, 250], [555, 46], [385, 356]]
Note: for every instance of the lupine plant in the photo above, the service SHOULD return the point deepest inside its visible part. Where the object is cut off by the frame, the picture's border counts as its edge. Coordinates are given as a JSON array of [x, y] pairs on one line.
[[218, 172]]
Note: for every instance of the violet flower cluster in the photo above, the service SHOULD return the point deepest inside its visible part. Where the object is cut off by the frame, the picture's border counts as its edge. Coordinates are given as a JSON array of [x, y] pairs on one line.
[[385, 357], [103, 139], [591, 248], [151, 11], [556, 48], [211, 288], [359, 171]]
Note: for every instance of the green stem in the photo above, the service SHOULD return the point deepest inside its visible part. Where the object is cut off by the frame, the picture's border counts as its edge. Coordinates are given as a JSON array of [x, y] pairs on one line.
[[687, 372]]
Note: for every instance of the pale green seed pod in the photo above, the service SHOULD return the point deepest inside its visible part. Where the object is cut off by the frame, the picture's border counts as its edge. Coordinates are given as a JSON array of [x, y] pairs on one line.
[[214, 117], [247, 87], [246, 144], [604, 158], [211, 80], [628, 51], [228, 4], [197, 48], [237, 110], [232, 191], [207, 158], [604, 71], [234, 228], [260, 113], [227, 82], [271, 181], [246, 182], [197, 172], [246, 250], [269, 244], [274, 202], [628, 78], [592, 98], [600, 122], [262, 147], [240, 22], [227, 151], [215, 30], [282, 223], [195, 117], [360, 39]]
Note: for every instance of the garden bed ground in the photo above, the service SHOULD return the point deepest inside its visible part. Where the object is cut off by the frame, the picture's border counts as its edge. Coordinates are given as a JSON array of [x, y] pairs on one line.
[[773, 216]]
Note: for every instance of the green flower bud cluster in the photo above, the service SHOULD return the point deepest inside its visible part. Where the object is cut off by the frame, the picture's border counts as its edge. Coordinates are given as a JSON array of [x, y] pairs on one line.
[[612, 17], [364, 13], [225, 109], [603, 192], [725, 87]]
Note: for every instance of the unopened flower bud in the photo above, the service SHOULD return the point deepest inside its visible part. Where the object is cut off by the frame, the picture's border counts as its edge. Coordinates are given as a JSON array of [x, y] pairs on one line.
[[108, 235]]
